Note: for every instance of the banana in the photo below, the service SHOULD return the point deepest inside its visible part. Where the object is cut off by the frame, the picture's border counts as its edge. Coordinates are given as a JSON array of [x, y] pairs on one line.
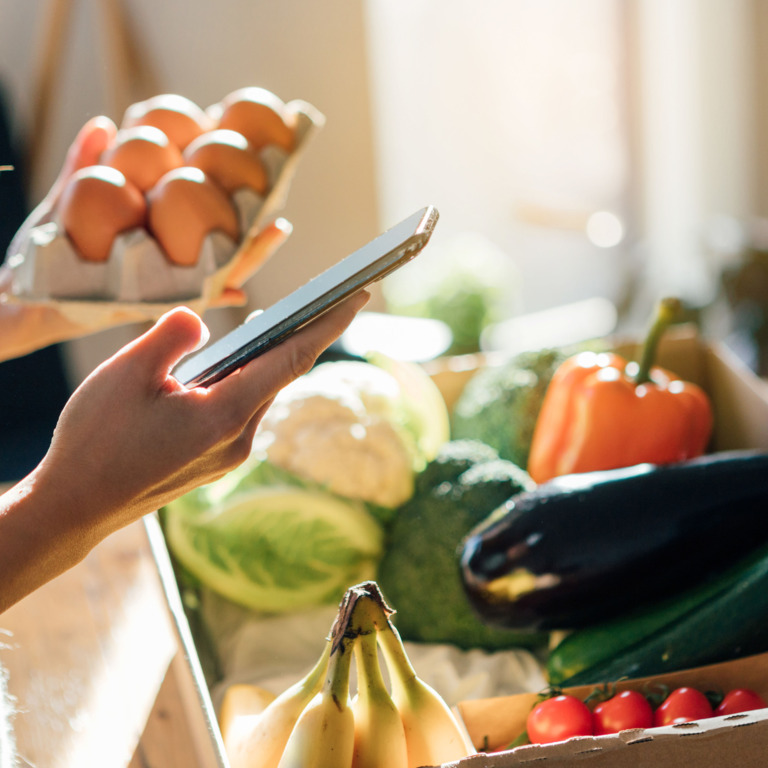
[[379, 733], [432, 733], [241, 700], [324, 734], [258, 740], [315, 725]]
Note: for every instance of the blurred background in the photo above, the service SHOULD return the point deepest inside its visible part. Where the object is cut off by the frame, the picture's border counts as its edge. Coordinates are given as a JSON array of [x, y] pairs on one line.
[[586, 157]]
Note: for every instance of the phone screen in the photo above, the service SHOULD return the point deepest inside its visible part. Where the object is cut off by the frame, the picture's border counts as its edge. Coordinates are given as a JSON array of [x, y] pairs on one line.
[[389, 251]]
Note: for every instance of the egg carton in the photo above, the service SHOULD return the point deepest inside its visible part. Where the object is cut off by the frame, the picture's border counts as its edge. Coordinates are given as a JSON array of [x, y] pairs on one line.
[[137, 282]]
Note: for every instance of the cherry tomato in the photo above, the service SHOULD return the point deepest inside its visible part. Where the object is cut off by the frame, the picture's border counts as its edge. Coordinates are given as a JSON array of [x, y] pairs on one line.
[[682, 706], [628, 709], [740, 700], [559, 718]]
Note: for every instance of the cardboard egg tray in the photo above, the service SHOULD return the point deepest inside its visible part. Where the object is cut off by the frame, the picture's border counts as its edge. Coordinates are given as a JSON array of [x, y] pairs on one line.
[[137, 282]]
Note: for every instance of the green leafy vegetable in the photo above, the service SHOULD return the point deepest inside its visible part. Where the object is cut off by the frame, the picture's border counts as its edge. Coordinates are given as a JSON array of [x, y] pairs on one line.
[[419, 573], [264, 539]]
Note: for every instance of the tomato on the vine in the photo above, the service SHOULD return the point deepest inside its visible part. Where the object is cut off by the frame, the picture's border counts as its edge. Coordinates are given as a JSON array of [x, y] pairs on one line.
[[628, 709], [682, 706], [740, 700], [559, 718]]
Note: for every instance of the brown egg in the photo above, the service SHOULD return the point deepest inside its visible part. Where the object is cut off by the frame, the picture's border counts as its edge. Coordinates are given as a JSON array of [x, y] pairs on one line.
[[260, 116], [142, 154], [179, 118], [97, 204], [184, 207], [228, 159]]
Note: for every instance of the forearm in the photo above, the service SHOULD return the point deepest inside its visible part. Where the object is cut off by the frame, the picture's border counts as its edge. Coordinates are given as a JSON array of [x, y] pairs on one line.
[[40, 538]]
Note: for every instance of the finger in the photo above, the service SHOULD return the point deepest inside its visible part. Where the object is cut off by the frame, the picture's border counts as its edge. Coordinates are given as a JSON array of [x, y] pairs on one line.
[[249, 431], [91, 140], [257, 251], [6, 278], [176, 334], [230, 297]]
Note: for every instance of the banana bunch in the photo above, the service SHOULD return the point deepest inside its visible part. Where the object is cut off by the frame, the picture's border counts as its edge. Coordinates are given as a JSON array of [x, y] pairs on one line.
[[317, 723]]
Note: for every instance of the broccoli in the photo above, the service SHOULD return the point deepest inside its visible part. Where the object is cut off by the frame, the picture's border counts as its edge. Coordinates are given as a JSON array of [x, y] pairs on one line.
[[500, 404], [419, 573], [454, 457]]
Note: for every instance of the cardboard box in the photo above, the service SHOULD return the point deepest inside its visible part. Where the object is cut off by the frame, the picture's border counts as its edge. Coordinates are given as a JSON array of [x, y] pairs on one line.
[[740, 403], [497, 722]]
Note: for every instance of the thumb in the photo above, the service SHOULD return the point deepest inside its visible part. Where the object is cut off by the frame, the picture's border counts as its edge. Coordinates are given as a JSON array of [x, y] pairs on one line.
[[176, 334]]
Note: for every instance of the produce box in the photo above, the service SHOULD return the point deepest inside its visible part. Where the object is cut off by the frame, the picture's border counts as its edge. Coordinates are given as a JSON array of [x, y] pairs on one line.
[[740, 402], [711, 742]]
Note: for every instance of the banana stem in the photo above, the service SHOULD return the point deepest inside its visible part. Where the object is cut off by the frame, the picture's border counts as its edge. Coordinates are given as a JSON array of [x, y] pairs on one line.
[[368, 668], [667, 312], [315, 675], [337, 679], [397, 659], [362, 613]]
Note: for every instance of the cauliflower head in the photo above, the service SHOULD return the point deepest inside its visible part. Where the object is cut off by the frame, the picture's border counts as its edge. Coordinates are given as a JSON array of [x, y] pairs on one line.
[[340, 426]]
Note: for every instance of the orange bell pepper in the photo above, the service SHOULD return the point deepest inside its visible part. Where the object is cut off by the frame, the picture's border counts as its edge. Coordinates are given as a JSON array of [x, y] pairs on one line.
[[601, 412]]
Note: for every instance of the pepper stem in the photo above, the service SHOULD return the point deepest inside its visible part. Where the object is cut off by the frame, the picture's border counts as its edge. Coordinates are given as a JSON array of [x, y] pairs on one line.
[[667, 312]]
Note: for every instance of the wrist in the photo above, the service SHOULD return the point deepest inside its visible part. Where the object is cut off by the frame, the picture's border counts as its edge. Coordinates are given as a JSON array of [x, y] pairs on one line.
[[40, 538]]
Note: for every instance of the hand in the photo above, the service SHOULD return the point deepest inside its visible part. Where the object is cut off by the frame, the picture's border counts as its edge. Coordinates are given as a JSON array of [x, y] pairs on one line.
[[132, 438], [254, 253], [92, 139]]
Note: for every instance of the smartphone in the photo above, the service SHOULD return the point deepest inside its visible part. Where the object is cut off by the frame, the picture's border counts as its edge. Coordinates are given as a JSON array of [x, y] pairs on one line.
[[389, 251]]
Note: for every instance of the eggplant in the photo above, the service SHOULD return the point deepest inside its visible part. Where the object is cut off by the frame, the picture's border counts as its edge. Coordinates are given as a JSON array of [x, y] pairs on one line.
[[586, 547]]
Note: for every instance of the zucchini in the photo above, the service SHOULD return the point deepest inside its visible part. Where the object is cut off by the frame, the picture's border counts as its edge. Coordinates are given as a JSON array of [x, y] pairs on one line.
[[719, 621], [580, 548]]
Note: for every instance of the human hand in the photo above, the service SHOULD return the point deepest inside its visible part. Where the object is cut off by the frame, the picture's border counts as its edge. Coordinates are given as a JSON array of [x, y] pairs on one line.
[[91, 140], [132, 438]]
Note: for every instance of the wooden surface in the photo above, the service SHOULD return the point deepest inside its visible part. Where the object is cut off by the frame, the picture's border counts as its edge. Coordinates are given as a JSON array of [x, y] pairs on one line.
[[89, 660]]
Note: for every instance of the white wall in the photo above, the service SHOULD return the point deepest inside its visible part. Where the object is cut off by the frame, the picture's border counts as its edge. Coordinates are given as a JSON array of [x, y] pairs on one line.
[[697, 121], [203, 49]]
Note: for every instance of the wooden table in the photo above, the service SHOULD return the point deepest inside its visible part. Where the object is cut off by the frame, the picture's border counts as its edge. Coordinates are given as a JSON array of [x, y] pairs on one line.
[[94, 665]]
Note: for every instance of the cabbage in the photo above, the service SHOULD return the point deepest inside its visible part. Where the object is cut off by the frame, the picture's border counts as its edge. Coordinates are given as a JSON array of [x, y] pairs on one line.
[[422, 409], [265, 540]]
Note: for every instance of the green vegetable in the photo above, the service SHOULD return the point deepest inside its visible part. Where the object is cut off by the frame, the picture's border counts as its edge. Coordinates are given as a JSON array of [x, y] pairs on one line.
[[421, 406], [453, 459], [419, 573], [465, 282], [500, 404], [263, 538], [723, 619]]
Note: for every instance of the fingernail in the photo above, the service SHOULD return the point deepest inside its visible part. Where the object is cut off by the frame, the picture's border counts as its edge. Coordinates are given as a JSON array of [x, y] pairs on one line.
[[284, 225]]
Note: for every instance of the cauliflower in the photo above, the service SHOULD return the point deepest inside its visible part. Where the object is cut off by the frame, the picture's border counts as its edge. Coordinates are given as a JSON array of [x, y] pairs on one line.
[[342, 426]]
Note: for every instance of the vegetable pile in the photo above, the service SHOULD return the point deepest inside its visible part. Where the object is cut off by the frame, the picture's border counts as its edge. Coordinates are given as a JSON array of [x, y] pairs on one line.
[[621, 564], [304, 517]]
